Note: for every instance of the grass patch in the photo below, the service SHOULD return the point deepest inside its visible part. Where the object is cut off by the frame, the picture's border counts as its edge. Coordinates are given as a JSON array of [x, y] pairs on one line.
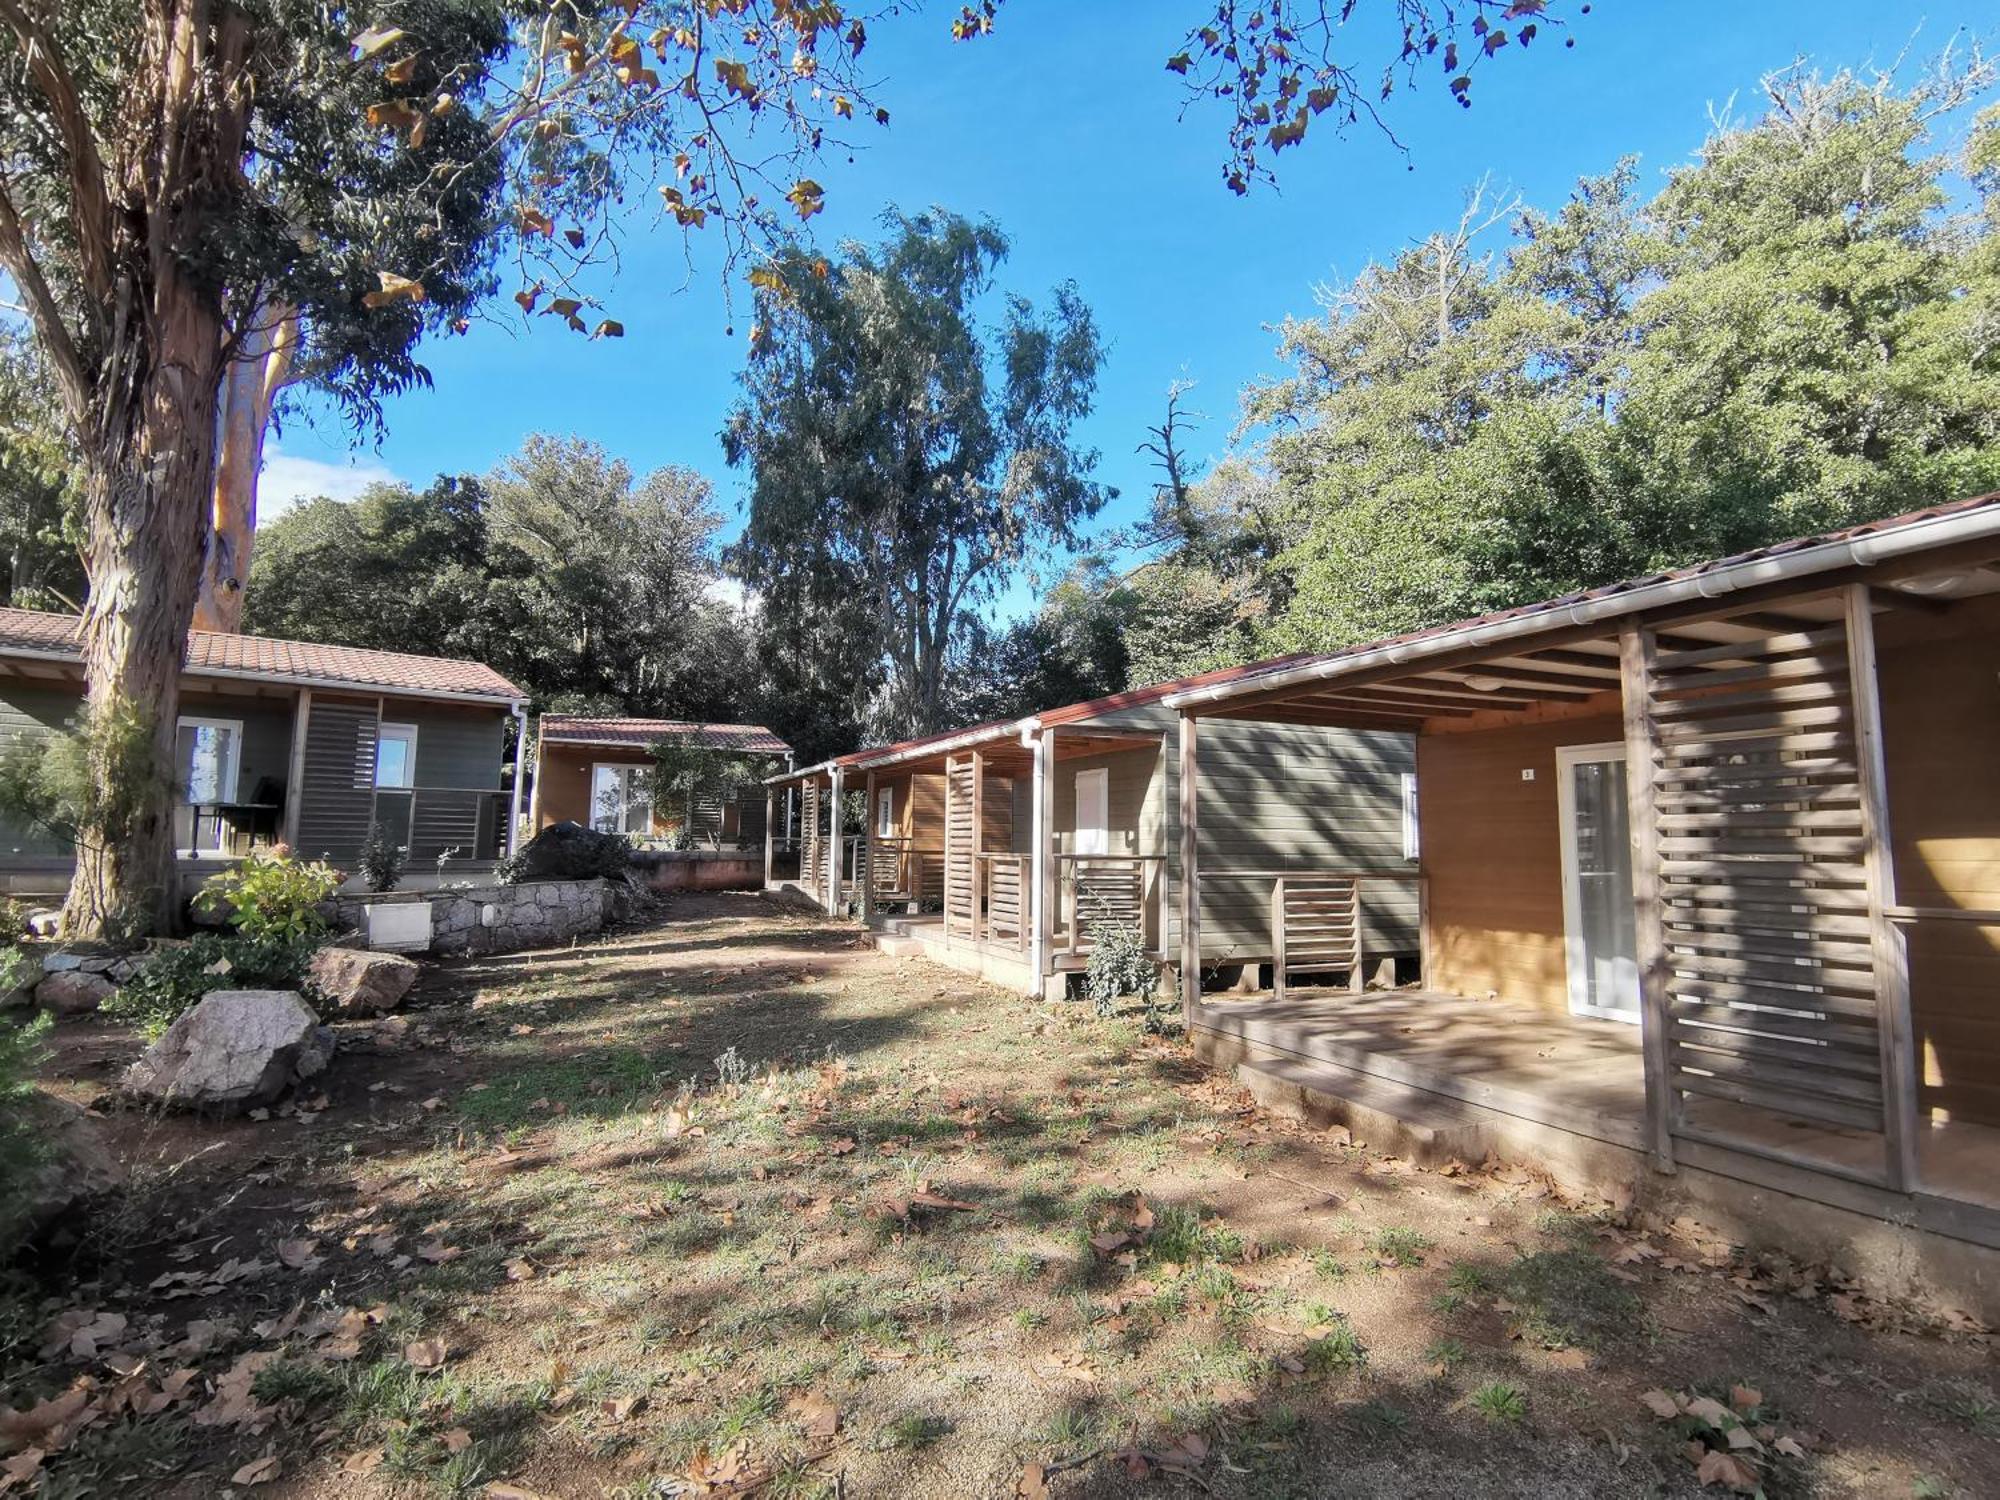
[[1564, 1297], [912, 1431], [1501, 1404], [1339, 1348], [1399, 1245]]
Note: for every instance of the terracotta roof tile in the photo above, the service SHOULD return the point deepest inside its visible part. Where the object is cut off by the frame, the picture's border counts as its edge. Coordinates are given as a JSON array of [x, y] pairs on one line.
[[304, 662], [573, 729]]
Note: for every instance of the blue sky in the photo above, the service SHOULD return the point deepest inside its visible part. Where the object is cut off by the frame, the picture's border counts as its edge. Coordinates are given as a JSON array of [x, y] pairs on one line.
[[1063, 127]]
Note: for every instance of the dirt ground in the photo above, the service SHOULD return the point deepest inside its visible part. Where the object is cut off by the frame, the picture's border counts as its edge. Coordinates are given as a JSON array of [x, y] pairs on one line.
[[729, 1203]]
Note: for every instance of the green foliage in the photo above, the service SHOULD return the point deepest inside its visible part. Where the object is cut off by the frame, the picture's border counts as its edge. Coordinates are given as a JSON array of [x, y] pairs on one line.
[[684, 776], [21, 1150], [40, 484], [1118, 966], [272, 894], [381, 859], [88, 787], [18, 970], [585, 585], [905, 464], [1501, 1404], [173, 979], [1785, 339]]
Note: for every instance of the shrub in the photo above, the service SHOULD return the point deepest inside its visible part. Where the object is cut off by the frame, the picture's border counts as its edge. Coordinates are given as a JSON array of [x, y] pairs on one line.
[[20, 1134], [568, 851], [173, 980], [1118, 966], [18, 971], [272, 894], [381, 860]]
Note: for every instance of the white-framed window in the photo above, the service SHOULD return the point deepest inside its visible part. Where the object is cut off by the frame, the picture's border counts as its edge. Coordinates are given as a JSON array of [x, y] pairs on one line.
[[619, 800], [209, 759], [1412, 839], [1093, 811], [885, 812], [396, 755]]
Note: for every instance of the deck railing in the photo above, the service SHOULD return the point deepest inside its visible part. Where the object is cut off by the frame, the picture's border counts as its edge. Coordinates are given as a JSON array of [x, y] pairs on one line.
[[1123, 889], [225, 829], [1000, 914], [1317, 919], [469, 823]]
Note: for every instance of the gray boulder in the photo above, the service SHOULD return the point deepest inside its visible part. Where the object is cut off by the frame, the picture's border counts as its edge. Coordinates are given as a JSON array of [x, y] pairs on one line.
[[357, 982], [236, 1050], [75, 1168], [72, 992]]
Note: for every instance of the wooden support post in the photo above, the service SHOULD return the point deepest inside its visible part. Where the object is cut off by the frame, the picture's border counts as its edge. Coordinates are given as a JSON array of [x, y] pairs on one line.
[[835, 849], [1041, 903], [770, 834], [1357, 982], [1892, 971], [869, 818], [1423, 928], [1278, 938], [978, 845], [1190, 873], [295, 783], [1635, 660]]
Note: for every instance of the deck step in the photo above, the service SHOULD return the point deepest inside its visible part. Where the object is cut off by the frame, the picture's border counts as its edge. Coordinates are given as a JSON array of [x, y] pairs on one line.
[[1389, 1116], [897, 945]]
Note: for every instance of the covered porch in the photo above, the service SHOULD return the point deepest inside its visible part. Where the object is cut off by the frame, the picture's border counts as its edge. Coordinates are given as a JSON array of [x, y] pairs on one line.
[[1710, 873]]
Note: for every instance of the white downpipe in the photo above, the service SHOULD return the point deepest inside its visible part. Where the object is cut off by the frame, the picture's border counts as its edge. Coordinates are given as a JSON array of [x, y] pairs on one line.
[[520, 768], [1864, 551]]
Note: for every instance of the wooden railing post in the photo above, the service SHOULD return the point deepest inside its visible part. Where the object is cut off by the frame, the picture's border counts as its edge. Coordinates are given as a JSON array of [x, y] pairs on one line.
[[835, 837], [1891, 961], [1357, 982], [1278, 938], [868, 822], [770, 834], [1042, 865], [1635, 659]]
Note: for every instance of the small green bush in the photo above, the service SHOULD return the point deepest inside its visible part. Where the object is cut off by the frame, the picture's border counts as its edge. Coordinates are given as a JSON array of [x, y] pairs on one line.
[[1117, 966], [272, 894], [173, 980], [20, 1134], [381, 859]]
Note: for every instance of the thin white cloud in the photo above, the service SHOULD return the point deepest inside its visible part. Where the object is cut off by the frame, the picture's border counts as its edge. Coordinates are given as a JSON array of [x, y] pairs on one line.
[[289, 479]]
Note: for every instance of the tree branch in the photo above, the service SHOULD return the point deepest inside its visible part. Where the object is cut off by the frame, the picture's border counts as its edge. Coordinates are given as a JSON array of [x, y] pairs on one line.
[[90, 203], [42, 308]]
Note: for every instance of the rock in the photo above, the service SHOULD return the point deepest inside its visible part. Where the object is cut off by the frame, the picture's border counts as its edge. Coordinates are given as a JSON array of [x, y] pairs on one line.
[[76, 1168], [357, 982], [60, 961], [72, 992], [235, 1050]]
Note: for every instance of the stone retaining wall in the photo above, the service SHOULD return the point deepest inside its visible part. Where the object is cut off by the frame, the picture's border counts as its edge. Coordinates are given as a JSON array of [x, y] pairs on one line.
[[499, 918]]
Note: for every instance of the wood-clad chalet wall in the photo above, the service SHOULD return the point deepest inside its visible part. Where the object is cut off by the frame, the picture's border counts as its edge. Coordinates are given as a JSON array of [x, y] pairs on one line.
[[1940, 676], [1492, 847], [1276, 796]]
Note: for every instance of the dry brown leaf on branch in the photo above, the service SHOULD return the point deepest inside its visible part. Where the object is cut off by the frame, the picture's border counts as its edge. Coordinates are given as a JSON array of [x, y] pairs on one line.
[[394, 288]]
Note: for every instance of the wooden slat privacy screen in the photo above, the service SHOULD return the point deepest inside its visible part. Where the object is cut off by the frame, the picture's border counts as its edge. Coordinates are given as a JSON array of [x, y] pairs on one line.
[[812, 846], [337, 796], [961, 843], [1771, 983]]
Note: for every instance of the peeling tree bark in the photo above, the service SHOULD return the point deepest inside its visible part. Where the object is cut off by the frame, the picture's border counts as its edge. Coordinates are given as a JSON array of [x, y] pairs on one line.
[[262, 367]]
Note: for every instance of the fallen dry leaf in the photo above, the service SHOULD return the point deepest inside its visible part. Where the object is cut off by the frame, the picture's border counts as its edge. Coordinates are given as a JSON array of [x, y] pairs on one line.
[[456, 1440], [816, 1413], [258, 1471], [1728, 1470], [1661, 1405], [426, 1354], [365, 1462], [1033, 1483], [1745, 1397], [521, 1270], [622, 1407]]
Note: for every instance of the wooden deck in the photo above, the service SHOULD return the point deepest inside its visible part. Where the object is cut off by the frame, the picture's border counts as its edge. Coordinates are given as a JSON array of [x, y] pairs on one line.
[[1571, 1072], [1585, 1077]]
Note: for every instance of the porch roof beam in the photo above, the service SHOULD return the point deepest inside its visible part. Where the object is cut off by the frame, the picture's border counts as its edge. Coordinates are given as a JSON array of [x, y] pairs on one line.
[[1565, 684]]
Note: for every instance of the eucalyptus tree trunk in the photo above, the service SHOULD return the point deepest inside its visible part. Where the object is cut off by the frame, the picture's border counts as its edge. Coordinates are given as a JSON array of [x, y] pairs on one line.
[[146, 495], [249, 387], [142, 386]]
